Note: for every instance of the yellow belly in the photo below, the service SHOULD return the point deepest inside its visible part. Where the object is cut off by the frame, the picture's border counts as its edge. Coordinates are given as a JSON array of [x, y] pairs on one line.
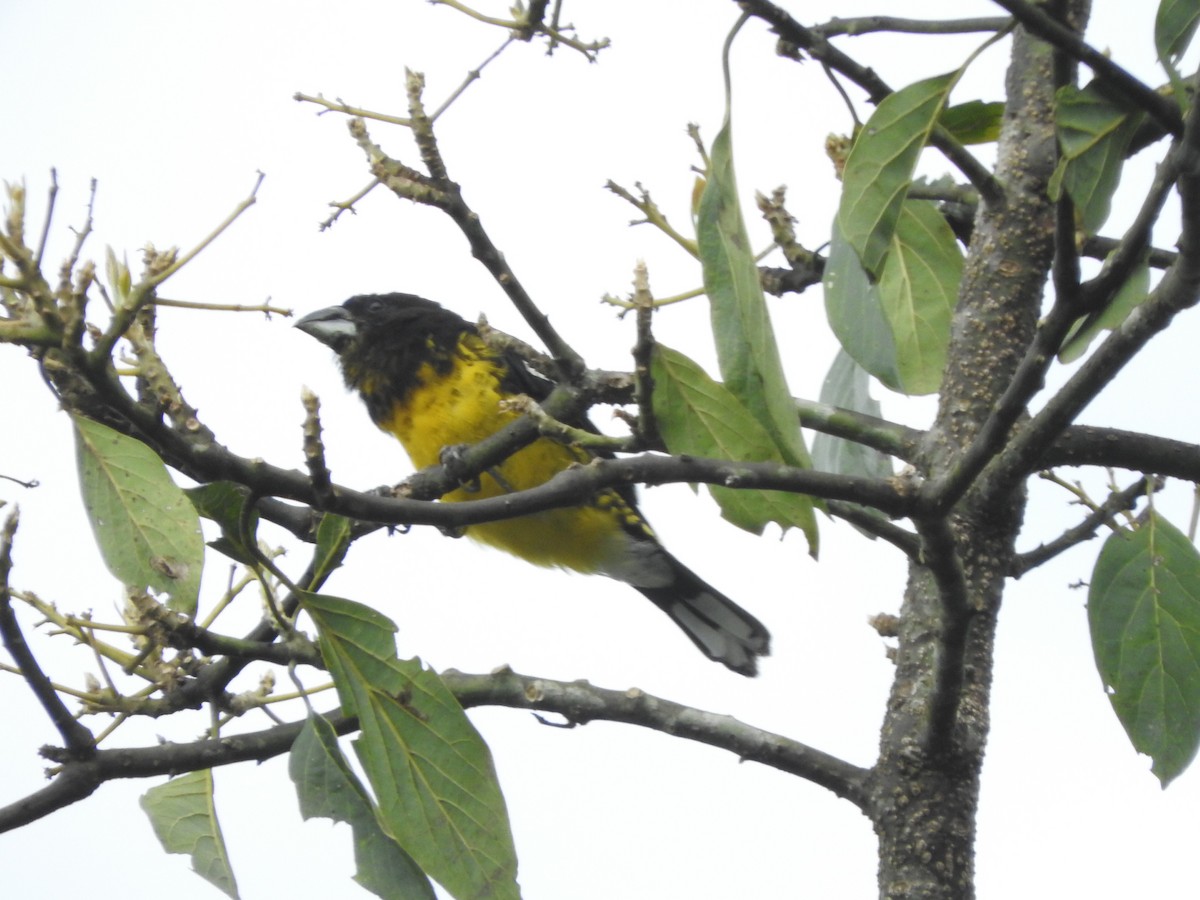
[[463, 407]]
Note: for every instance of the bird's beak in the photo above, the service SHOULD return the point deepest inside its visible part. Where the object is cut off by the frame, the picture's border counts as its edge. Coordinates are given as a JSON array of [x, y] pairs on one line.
[[331, 326]]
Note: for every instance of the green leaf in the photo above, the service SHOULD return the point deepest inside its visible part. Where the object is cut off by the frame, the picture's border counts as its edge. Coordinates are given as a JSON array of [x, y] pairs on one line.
[[1144, 613], [185, 820], [746, 350], [698, 416], [899, 328], [1135, 289], [224, 502], [327, 787], [334, 536], [847, 386], [429, 769], [881, 163], [973, 122], [1174, 27], [1094, 134], [147, 531], [855, 312], [918, 288]]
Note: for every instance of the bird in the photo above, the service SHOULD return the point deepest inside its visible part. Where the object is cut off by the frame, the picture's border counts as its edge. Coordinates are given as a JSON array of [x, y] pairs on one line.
[[429, 379]]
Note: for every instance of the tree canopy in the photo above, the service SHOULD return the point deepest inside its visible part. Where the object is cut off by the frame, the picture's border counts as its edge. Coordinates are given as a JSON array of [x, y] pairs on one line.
[[970, 403]]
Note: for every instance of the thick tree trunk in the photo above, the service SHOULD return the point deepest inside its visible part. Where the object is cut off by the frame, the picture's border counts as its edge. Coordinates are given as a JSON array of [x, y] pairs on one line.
[[925, 787]]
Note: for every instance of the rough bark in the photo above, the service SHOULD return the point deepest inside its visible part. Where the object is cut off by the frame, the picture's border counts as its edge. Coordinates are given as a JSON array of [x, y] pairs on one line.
[[925, 788]]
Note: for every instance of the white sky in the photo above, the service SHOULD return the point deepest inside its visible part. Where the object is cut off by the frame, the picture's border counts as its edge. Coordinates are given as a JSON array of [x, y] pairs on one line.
[[174, 107]]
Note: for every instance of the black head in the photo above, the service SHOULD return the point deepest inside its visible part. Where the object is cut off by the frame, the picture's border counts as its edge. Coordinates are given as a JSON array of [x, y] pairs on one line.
[[370, 318], [383, 340]]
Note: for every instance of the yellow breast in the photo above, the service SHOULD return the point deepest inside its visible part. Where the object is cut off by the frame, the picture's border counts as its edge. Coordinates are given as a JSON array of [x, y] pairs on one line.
[[464, 407]]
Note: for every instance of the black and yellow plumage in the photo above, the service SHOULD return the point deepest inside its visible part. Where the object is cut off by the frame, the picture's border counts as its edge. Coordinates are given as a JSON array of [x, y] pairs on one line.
[[429, 379]]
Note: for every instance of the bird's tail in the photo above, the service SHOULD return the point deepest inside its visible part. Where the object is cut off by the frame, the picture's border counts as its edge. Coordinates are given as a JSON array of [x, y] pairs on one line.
[[722, 630]]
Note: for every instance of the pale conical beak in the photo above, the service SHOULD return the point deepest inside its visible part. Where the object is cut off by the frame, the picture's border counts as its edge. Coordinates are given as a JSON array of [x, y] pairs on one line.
[[331, 326]]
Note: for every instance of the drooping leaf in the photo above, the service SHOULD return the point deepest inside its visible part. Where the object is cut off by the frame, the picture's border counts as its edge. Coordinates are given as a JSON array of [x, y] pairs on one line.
[[698, 416], [224, 502], [1135, 289], [185, 821], [973, 122], [147, 531], [428, 767], [918, 288], [327, 787], [847, 386], [1174, 27], [881, 165], [855, 312], [1144, 613], [1094, 134], [746, 349], [898, 329]]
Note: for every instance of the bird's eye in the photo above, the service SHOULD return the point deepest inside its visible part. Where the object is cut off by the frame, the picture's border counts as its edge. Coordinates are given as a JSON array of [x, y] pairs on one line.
[[375, 306]]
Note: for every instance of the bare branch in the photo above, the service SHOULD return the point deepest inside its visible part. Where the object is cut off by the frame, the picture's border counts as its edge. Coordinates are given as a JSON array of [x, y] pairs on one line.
[[1088, 445], [580, 703], [79, 740], [1118, 501], [887, 437], [870, 24]]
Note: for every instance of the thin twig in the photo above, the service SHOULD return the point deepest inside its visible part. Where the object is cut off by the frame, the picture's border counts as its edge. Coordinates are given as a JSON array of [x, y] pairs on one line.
[[1118, 501], [871, 522], [472, 76], [45, 236], [347, 109], [341, 206], [78, 739], [314, 448], [264, 308], [643, 352], [654, 216], [143, 292], [870, 24]]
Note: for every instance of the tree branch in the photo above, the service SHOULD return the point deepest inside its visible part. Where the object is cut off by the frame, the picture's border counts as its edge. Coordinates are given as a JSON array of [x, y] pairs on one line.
[[1179, 289], [78, 779], [437, 189], [1087, 445], [1098, 292], [1118, 501], [869, 24], [887, 437], [816, 45], [578, 701], [939, 554], [1133, 92], [78, 739]]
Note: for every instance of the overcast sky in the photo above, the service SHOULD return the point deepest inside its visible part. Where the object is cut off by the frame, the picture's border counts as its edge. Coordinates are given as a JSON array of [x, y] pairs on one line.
[[175, 107]]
